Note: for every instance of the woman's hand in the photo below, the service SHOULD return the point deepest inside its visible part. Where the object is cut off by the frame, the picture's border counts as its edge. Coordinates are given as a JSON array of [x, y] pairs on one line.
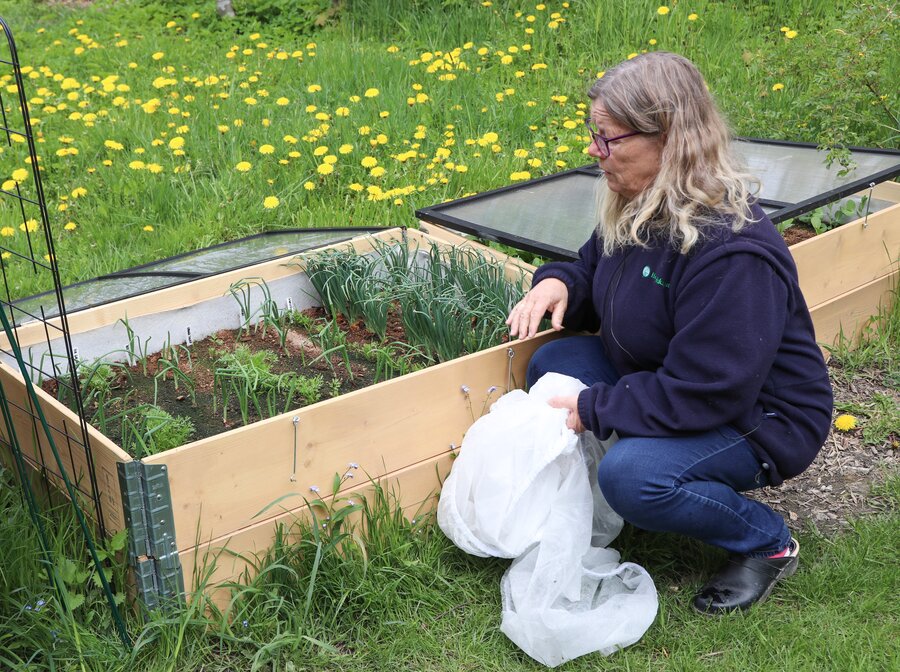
[[573, 421], [549, 294]]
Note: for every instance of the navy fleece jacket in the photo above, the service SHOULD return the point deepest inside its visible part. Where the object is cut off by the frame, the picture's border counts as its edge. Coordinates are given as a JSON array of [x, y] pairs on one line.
[[720, 336]]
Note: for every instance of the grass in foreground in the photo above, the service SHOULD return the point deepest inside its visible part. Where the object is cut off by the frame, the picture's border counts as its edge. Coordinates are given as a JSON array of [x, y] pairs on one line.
[[412, 601]]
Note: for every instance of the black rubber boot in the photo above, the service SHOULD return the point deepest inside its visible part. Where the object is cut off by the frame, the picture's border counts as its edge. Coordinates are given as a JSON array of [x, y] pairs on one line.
[[744, 581]]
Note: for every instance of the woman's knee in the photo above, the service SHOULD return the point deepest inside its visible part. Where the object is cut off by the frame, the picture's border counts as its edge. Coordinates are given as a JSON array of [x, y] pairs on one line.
[[632, 484], [545, 359], [581, 357], [619, 482]]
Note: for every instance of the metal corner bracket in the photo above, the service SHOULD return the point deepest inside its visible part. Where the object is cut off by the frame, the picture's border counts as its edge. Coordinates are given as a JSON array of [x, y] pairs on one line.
[[152, 550]]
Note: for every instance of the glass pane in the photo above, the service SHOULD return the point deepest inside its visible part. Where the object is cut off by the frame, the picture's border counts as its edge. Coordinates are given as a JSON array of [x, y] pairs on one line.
[[559, 212], [90, 293], [208, 261], [794, 174], [555, 215], [250, 251]]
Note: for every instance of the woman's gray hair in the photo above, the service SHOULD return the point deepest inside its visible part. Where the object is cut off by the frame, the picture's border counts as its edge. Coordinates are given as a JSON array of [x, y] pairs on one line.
[[699, 183]]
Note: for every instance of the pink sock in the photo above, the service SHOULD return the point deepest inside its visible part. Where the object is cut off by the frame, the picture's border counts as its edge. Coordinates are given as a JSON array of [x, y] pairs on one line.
[[785, 552]]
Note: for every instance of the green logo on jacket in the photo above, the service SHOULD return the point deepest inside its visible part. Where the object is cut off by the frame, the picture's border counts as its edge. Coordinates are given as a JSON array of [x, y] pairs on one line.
[[649, 273]]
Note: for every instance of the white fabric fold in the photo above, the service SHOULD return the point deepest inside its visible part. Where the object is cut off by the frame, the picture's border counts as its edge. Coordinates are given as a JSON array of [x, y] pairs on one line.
[[524, 486]]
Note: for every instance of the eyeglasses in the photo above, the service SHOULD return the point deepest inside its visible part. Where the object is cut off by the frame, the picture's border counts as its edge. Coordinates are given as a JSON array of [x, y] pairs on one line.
[[602, 142]]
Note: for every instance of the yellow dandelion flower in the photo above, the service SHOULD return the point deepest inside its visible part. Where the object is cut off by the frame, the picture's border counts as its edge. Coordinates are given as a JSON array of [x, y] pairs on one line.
[[176, 143], [149, 227], [377, 171], [692, 17], [320, 150], [270, 202], [30, 226], [393, 49], [243, 166], [250, 100], [78, 192], [342, 111], [158, 55], [791, 34], [369, 162], [282, 101], [154, 168], [325, 169], [112, 144], [70, 226], [19, 175], [7, 232], [845, 422], [345, 148], [313, 88], [778, 86], [309, 186], [222, 128], [364, 130], [330, 159], [371, 93], [662, 11], [266, 149], [136, 165]]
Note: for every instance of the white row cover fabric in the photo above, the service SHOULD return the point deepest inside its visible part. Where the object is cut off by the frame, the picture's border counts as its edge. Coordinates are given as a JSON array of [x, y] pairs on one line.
[[524, 486]]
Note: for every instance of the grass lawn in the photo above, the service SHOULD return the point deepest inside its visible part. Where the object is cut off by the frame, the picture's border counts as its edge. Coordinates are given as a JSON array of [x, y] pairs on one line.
[[162, 128]]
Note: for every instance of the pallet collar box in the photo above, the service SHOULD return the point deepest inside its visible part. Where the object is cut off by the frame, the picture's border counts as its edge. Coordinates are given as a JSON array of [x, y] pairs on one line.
[[182, 507], [185, 506]]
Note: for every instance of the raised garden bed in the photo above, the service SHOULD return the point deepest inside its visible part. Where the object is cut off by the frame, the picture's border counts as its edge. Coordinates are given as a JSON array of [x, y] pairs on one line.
[[187, 504], [184, 505]]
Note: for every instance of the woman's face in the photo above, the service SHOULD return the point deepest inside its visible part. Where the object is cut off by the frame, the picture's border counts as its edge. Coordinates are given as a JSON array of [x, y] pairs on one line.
[[633, 162]]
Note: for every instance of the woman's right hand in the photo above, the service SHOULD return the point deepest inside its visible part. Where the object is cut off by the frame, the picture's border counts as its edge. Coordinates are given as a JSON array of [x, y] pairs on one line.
[[549, 294]]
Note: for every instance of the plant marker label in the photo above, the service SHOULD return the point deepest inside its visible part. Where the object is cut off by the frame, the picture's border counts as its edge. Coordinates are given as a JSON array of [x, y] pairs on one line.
[[189, 338], [290, 304]]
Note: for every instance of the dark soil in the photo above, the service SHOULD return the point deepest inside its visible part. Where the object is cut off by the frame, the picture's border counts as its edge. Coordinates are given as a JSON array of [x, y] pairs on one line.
[[301, 354], [798, 233]]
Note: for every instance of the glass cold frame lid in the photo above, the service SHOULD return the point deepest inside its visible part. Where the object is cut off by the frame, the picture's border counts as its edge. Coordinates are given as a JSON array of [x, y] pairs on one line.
[[554, 215], [182, 268]]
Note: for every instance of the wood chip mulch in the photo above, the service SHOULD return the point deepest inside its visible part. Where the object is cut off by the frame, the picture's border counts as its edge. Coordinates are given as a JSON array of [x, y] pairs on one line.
[[837, 487]]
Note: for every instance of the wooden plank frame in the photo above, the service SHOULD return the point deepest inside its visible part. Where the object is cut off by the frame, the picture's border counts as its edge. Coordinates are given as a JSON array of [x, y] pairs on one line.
[[401, 433], [848, 274]]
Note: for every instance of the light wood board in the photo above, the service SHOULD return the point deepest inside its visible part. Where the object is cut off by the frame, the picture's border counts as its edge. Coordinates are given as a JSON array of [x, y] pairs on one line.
[[220, 483]]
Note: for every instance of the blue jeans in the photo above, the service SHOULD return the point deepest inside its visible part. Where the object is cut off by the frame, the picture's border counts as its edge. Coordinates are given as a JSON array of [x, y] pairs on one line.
[[688, 484]]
